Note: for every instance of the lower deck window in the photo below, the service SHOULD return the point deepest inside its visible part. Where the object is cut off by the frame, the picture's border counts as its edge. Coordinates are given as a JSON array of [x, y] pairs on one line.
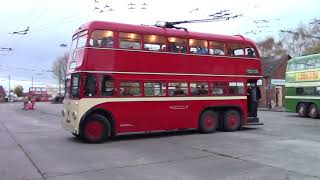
[[155, 89], [178, 88], [90, 88], [107, 86], [130, 88], [218, 88], [199, 88]]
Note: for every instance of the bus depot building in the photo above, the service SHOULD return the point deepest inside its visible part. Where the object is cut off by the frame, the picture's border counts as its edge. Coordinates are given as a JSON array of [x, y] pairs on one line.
[[272, 85]]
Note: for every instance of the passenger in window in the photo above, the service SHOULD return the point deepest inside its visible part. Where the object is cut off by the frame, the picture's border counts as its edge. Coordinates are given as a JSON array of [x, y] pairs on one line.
[[250, 52], [178, 91], [202, 50], [126, 92], [172, 47], [183, 47], [230, 52], [94, 43], [107, 42], [203, 91]]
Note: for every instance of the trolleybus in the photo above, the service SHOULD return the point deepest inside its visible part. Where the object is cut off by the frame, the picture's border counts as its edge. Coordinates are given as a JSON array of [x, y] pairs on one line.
[[132, 78]]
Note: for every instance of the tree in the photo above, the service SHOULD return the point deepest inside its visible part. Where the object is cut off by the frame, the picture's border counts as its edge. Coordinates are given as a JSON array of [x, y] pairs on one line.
[[313, 50], [59, 68], [302, 40], [18, 90], [270, 47]]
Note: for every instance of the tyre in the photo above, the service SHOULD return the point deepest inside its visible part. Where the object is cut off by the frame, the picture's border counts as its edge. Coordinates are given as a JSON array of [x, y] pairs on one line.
[[313, 111], [208, 122], [302, 110], [231, 120], [95, 129], [76, 135]]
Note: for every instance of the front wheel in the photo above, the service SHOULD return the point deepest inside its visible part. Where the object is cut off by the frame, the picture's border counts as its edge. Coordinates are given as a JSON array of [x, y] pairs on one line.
[[208, 122], [95, 129], [231, 120], [313, 111], [302, 110]]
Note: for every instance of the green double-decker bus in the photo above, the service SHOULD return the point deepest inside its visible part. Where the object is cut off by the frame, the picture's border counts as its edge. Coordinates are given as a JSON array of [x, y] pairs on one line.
[[303, 86]]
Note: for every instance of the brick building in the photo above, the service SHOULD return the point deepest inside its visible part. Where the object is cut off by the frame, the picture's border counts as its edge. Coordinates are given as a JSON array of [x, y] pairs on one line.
[[2, 94], [272, 86]]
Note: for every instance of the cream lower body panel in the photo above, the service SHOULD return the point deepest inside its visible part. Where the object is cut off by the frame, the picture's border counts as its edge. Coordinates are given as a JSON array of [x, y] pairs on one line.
[[75, 109]]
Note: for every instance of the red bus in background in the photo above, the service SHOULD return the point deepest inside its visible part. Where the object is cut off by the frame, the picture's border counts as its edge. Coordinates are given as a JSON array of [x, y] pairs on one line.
[[39, 93], [131, 78]]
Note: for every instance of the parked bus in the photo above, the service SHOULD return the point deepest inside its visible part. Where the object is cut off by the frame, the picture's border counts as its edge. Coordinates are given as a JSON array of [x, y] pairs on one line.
[[40, 94], [303, 86], [132, 78]]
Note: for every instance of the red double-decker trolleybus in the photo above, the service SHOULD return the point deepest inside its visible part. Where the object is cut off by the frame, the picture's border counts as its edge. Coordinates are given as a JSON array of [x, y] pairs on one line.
[[132, 78]]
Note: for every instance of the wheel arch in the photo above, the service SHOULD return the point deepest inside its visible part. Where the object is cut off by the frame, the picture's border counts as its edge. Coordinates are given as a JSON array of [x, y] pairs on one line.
[[107, 114]]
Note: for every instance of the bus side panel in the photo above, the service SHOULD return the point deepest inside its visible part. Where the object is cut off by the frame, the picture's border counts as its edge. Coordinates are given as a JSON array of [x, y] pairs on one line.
[[163, 115], [291, 105]]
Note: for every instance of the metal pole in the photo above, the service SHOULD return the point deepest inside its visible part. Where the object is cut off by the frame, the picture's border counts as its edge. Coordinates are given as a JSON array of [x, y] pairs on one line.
[[9, 85], [59, 88]]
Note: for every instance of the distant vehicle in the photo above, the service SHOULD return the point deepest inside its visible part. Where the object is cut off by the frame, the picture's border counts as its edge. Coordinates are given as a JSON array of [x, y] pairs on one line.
[[58, 98], [127, 78], [11, 98], [303, 86], [40, 93]]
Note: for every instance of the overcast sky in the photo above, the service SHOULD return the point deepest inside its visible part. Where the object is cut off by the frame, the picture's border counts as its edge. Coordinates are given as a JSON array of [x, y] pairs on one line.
[[53, 22]]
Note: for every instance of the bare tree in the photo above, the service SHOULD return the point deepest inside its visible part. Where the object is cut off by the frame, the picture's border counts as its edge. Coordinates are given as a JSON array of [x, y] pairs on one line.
[[302, 40], [270, 47], [59, 68]]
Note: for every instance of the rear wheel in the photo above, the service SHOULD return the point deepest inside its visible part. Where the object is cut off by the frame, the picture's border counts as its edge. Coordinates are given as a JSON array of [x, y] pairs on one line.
[[313, 111], [96, 129], [302, 110], [231, 120], [208, 122]]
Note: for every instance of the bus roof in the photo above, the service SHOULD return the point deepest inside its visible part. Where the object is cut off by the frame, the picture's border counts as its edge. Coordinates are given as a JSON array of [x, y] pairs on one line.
[[144, 29], [307, 57]]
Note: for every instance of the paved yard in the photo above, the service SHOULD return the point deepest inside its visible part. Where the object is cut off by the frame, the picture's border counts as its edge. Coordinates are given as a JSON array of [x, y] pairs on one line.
[[33, 146]]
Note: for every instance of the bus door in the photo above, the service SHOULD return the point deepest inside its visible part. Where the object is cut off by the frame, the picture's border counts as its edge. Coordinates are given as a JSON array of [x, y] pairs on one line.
[[253, 97]]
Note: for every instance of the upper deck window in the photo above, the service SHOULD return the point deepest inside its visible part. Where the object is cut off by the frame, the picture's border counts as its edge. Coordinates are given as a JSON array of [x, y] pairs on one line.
[[250, 52], [154, 43], [73, 44], [235, 49], [198, 46], [292, 67], [102, 39], [177, 45], [129, 40], [310, 64], [317, 63], [301, 65], [216, 48], [82, 41]]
